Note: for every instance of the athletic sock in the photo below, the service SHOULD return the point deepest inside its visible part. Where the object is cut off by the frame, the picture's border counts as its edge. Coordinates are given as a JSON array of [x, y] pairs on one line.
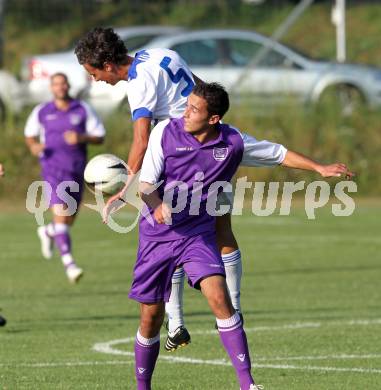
[[146, 353], [234, 340], [49, 230], [174, 307], [233, 269], [63, 242]]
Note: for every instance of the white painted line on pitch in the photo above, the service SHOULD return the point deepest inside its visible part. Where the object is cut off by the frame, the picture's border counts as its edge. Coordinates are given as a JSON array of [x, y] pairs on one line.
[[109, 348], [321, 357], [318, 368]]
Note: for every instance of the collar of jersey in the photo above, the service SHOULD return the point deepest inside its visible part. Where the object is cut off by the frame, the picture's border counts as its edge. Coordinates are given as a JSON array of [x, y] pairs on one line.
[[73, 103], [140, 56]]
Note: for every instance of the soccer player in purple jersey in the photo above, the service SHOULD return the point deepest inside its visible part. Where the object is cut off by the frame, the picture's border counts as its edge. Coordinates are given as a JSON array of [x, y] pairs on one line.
[[195, 151], [57, 132], [158, 84]]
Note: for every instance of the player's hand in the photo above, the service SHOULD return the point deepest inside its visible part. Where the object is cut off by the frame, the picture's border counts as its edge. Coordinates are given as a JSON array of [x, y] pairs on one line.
[[113, 204], [162, 214], [336, 170], [1, 170], [37, 149], [72, 137]]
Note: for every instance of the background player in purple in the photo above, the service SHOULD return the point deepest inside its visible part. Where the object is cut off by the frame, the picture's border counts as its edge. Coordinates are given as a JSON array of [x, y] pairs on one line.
[[196, 149], [57, 132]]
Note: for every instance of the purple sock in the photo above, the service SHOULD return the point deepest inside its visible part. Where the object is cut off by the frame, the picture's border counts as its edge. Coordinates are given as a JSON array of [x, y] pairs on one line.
[[146, 353], [234, 340], [62, 238]]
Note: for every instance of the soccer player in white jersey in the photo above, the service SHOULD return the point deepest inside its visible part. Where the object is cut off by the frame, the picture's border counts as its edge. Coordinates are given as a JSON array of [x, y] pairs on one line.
[[158, 84], [58, 133]]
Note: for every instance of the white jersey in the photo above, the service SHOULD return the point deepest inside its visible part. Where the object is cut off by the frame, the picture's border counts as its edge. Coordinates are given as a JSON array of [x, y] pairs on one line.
[[158, 84]]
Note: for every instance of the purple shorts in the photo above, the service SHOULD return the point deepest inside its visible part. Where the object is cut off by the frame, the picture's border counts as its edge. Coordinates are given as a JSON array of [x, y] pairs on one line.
[[156, 262], [60, 193]]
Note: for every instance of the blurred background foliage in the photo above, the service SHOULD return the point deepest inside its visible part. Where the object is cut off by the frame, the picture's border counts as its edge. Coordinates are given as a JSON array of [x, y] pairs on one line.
[[36, 26]]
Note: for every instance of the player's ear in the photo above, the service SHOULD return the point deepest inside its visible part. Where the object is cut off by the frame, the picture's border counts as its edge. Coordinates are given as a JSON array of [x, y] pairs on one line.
[[108, 67], [214, 119]]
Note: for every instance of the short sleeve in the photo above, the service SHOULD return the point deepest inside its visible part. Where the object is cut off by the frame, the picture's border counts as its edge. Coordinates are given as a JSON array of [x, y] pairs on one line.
[[142, 95], [153, 162], [94, 126], [33, 127], [261, 153]]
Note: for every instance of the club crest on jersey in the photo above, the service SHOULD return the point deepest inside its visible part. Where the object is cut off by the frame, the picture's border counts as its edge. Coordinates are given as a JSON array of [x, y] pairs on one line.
[[75, 119], [220, 154]]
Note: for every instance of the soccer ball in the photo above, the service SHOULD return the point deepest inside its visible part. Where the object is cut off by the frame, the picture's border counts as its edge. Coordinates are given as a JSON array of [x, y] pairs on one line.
[[106, 173]]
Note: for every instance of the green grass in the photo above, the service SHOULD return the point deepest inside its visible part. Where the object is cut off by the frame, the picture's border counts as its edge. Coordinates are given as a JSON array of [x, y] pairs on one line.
[[324, 273]]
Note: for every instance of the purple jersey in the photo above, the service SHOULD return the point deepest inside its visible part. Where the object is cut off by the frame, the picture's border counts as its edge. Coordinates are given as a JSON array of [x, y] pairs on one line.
[[184, 159], [174, 155], [50, 123]]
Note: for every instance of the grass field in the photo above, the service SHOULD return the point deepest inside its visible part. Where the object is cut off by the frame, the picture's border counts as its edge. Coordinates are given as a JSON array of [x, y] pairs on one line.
[[311, 299]]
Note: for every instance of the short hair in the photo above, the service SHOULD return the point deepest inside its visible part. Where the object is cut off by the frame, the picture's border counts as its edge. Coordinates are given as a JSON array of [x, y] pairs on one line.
[[101, 45], [59, 74], [216, 97]]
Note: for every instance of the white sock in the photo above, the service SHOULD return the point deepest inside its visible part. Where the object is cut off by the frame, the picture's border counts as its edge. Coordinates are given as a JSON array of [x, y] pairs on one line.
[[60, 228], [67, 260], [233, 269], [174, 307], [50, 229], [147, 342]]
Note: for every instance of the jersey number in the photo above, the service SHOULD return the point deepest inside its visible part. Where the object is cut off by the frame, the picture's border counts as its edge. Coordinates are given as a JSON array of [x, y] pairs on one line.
[[175, 78]]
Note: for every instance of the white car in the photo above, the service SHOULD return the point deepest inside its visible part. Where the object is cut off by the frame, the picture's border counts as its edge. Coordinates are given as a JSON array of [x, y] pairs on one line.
[[36, 70], [279, 73], [12, 94]]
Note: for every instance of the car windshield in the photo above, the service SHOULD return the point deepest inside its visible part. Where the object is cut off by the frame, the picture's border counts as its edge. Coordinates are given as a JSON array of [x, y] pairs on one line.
[[304, 54], [138, 41], [132, 43]]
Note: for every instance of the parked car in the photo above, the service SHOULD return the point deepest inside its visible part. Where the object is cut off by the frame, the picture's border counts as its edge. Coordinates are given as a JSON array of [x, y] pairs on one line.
[[37, 69], [12, 95], [222, 55]]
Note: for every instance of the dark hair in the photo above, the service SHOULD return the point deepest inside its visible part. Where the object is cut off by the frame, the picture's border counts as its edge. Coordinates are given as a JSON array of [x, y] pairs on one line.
[[101, 45], [59, 74], [216, 97]]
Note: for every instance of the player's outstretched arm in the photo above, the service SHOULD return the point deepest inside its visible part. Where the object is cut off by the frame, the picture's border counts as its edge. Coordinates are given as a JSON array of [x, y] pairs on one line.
[[1, 170], [299, 161]]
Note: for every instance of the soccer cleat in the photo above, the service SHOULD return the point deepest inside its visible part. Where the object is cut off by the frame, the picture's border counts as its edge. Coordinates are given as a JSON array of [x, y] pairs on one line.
[[3, 321], [256, 387], [46, 243], [74, 273], [177, 339]]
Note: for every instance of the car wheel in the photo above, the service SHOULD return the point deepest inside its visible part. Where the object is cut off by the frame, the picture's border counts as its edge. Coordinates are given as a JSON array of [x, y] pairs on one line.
[[342, 100]]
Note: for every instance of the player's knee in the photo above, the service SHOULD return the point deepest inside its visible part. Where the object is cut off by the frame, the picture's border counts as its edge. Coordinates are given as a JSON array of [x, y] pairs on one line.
[[151, 322], [218, 301]]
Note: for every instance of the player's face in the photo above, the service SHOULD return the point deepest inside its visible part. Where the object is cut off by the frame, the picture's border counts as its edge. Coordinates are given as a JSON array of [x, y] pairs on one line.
[[59, 87], [196, 115], [108, 74]]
